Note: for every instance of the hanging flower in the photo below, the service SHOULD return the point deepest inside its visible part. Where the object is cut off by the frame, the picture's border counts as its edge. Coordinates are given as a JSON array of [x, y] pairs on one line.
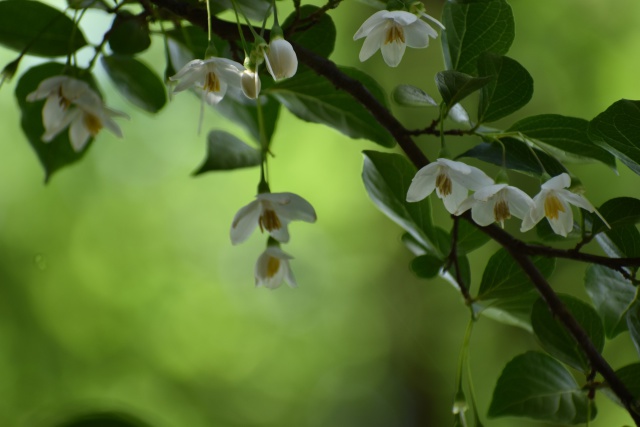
[[392, 32], [281, 59], [496, 203], [250, 81], [452, 181], [273, 267], [213, 75], [553, 202], [271, 212]]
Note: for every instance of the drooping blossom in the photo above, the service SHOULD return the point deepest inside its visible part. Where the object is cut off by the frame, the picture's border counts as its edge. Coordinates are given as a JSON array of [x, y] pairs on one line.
[[272, 268], [281, 59], [213, 76], [496, 203]]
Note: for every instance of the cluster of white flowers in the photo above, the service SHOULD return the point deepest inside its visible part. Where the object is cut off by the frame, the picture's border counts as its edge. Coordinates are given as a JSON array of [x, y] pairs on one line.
[[272, 212], [72, 103], [493, 202]]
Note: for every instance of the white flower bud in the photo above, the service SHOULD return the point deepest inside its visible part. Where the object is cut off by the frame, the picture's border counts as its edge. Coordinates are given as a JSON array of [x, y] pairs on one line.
[[282, 61], [251, 85]]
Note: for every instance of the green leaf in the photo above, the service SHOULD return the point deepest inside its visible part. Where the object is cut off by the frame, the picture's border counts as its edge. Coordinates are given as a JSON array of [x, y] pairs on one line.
[[518, 155], [617, 130], [413, 245], [474, 27], [318, 35], [623, 241], [88, 4], [314, 99], [618, 212], [630, 376], [514, 311], [136, 82], [387, 177], [411, 96], [470, 237], [503, 277], [633, 323], [104, 419], [465, 272], [510, 88], [534, 385], [454, 86], [426, 266], [566, 137], [189, 42], [557, 341], [58, 153], [244, 112], [129, 34], [226, 152], [45, 31], [611, 294]]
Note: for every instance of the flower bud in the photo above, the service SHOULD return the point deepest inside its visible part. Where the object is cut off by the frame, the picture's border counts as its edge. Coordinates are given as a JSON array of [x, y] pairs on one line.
[[282, 61], [251, 85]]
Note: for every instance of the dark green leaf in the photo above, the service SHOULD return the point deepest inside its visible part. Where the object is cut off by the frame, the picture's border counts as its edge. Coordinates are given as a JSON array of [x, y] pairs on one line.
[[141, 86], [514, 311], [226, 152], [534, 385], [617, 130], [630, 376], [318, 35], [387, 177], [104, 419], [129, 34], [611, 295], [314, 99], [88, 4], [455, 86], [503, 277], [557, 341], [464, 274], [633, 323], [413, 245], [411, 96], [470, 237], [44, 30], [510, 88], [623, 241], [519, 157], [253, 9], [244, 112], [473, 28], [58, 153], [566, 137], [620, 211], [426, 266]]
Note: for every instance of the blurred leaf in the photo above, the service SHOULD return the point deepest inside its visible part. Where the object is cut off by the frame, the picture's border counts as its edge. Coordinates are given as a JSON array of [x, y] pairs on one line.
[[633, 323], [413, 245], [187, 43], [253, 9], [618, 212], [473, 28], [565, 134], [455, 86], [44, 30], [314, 99], [518, 155], [611, 294], [136, 82], [465, 272], [244, 112], [503, 277], [58, 153], [226, 152], [621, 242], [318, 36], [630, 376], [470, 237], [104, 419], [88, 4], [387, 177], [557, 341], [617, 130], [411, 96], [426, 266], [129, 34], [534, 385], [509, 90], [514, 311]]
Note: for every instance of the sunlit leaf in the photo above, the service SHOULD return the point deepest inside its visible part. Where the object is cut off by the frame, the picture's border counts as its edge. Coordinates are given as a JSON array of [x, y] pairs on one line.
[[620, 211], [139, 84], [227, 152], [514, 310], [611, 294], [411, 96]]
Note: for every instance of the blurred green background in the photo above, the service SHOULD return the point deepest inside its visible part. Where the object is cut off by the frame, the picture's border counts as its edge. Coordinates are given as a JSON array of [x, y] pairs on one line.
[[120, 290]]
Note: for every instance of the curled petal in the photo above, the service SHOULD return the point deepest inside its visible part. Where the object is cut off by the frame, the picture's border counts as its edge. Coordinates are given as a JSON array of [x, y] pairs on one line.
[[417, 34], [422, 185], [244, 222], [372, 22], [557, 182], [402, 17], [520, 204], [290, 206]]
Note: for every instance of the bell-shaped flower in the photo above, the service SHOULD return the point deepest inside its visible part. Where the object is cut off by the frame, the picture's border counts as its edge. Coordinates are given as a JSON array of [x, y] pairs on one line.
[[272, 268], [213, 76], [271, 212], [553, 202], [251, 85], [392, 32], [281, 59], [496, 203], [60, 93], [452, 181]]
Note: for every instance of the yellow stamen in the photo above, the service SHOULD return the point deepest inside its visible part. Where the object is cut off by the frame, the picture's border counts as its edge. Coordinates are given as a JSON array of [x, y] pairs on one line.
[[211, 83], [552, 206], [92, 123], [395, 33], [62, 101], [273, 265], [443, 184], [501, 211], [269, 221]]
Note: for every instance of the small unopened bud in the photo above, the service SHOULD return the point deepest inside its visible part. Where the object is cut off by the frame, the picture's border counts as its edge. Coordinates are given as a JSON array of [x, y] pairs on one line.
[[282, 61], [10, 70]]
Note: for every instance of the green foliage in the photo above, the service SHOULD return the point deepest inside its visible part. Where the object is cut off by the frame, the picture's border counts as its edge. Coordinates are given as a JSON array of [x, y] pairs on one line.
[[426, 266], [314, 99], [510, 88], [129, 34], [411, 96], [622, 241], [633, 323], [319, 35], [630, 377], [245, 113], [38, 29], [190, 42], [104, 419], [557, 341], [475, 27], [227, 152], [454, 86], [534, 385], [470, 237], [139, 84], [620, 211]]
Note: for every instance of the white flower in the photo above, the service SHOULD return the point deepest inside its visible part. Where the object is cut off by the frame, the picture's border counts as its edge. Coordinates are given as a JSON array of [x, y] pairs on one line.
[[273, 267], [281, 59], [496, 203], [450, 179], [251, 84], [553, 202], [71, 102], [213, 75], [271, 212], [392, 32]]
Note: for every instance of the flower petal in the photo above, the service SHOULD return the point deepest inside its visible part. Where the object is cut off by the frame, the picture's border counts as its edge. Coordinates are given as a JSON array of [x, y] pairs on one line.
[[432, 19], [52, 112], [402, 17], [372, 22], [372, 43], [563, 224], [417, 34], [422, 185], [244, 222], [393, 52], [46, 87], [281, 234], [576, 199], [482, 212], [535, 214], [520, 204], [557, 182], [79, 133], [484, 194], [457, 196], [290, 206]]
